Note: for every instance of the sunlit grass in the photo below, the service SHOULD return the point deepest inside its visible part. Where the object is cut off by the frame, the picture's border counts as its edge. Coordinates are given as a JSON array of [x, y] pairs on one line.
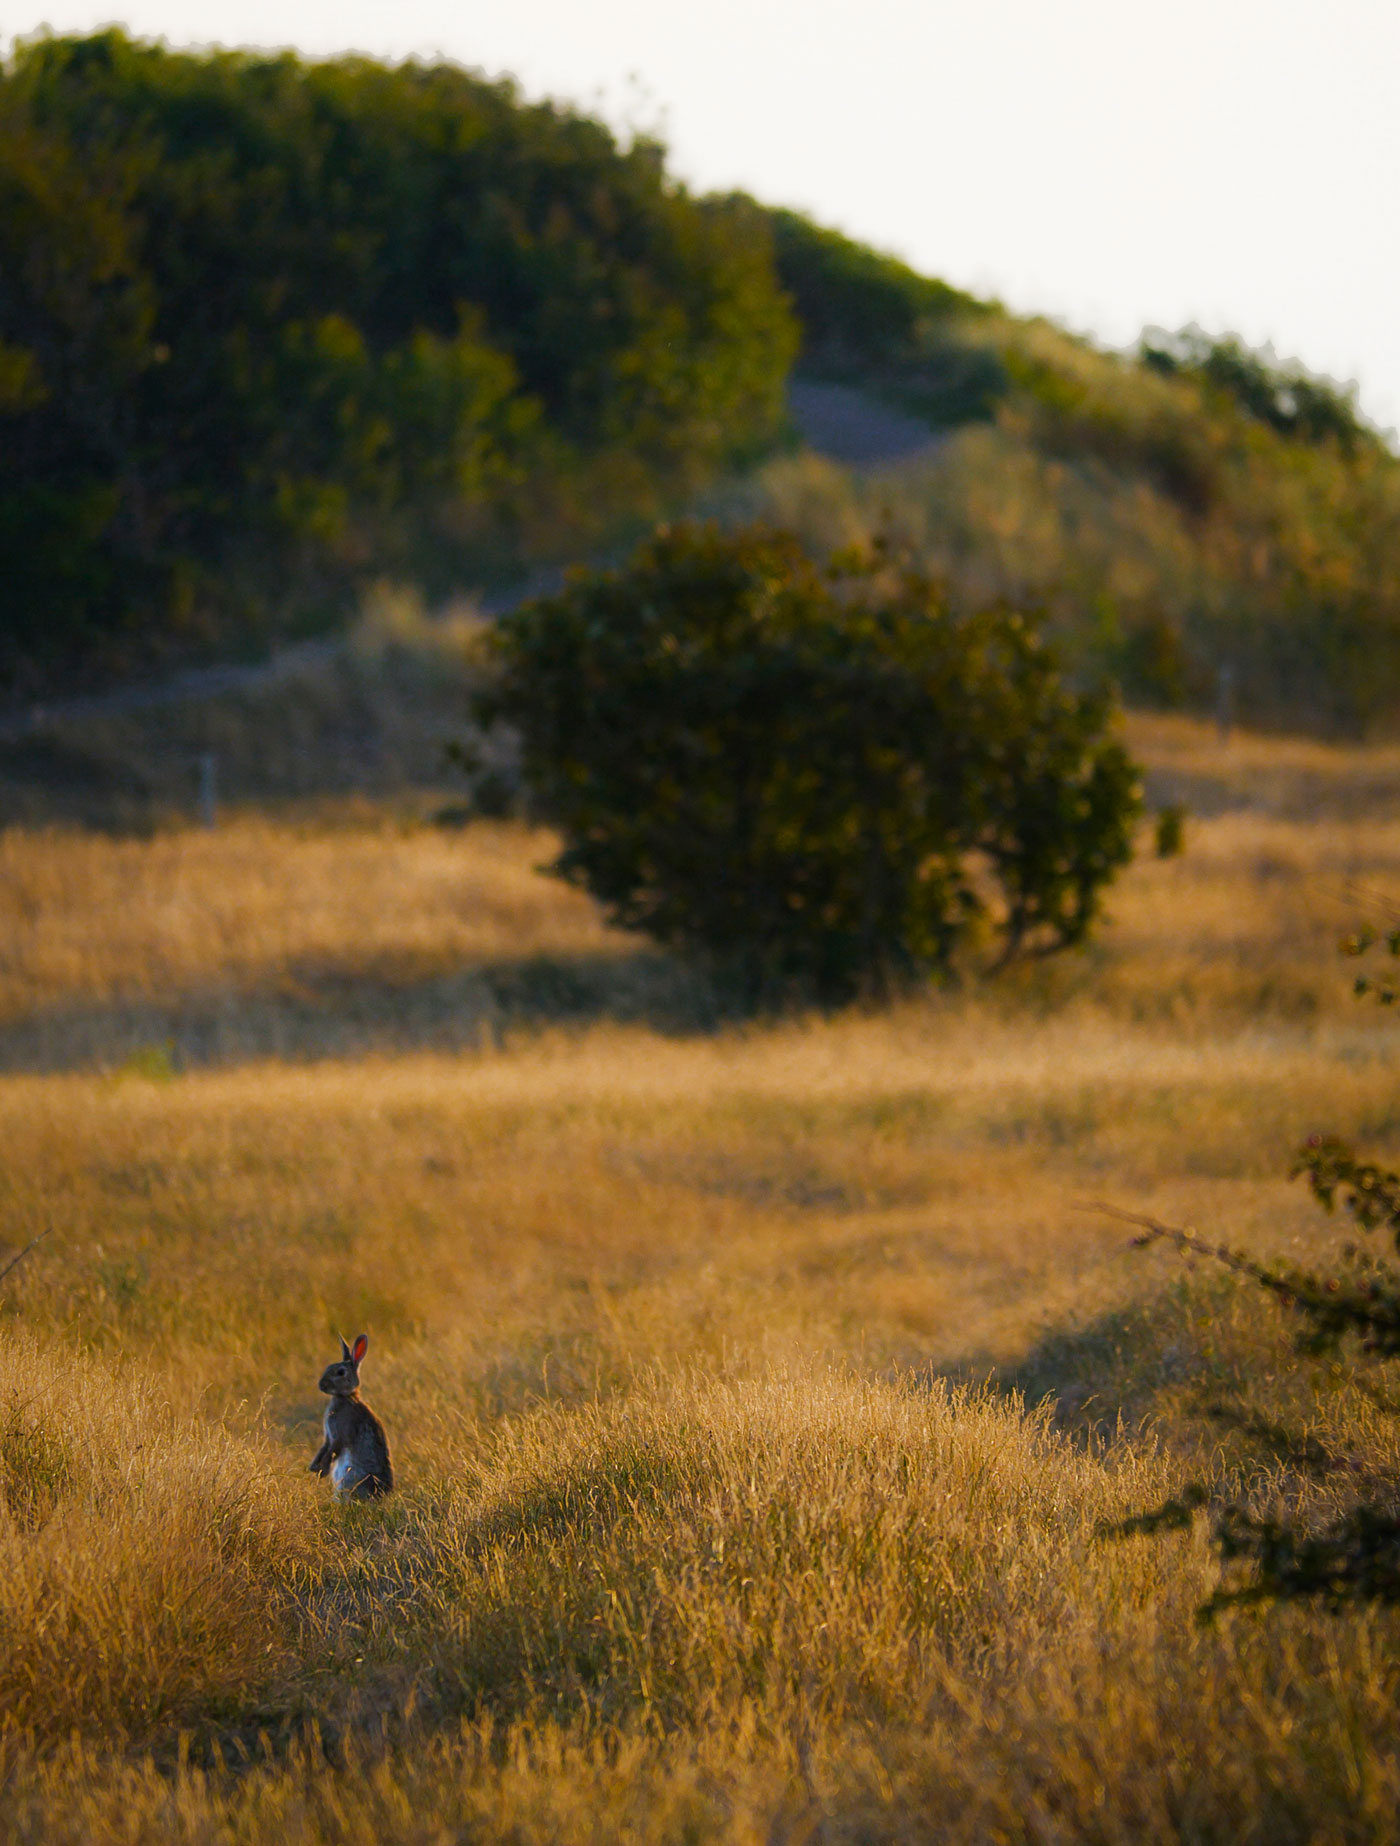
[[720, 1516]]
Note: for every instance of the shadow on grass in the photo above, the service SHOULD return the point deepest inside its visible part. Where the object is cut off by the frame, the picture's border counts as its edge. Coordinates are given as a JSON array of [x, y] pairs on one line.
[[1206, 1366], [1178, 1353], [309, 1013]]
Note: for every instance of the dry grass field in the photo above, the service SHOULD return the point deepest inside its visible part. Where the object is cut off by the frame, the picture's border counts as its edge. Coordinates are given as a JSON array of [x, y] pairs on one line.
[[756, 1388]]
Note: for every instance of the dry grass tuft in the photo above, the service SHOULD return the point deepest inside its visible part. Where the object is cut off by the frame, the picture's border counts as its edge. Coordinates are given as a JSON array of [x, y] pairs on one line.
[[148, 1560]]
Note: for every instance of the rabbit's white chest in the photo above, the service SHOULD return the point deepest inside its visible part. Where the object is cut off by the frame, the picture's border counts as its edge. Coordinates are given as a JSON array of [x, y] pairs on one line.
[[340, 1470]]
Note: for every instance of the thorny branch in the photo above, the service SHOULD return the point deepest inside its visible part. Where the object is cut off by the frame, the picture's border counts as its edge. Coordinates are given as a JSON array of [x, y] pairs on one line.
[[33, 1242]]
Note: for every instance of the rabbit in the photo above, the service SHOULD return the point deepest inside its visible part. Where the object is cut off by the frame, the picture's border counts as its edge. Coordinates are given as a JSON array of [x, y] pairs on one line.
[[355, 1453]]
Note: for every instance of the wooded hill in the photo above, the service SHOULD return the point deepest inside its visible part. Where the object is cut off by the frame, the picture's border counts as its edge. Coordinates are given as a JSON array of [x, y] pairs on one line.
[[271, 329]]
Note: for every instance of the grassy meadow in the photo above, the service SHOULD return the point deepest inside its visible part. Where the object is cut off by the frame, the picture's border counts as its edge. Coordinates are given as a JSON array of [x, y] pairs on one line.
[[755, 1388]]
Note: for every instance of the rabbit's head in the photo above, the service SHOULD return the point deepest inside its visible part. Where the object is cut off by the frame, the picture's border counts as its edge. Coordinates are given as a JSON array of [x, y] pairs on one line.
[[343, 1377]]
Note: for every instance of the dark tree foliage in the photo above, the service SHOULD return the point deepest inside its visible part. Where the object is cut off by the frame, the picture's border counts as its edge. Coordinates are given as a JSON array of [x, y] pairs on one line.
[[824, 780], [851, 298], [1289, 399], [1357, 1559], [267, 325], [871, 320]]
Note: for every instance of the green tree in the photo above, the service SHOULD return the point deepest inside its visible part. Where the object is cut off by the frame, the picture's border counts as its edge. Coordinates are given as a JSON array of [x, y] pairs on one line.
[[268, 326], [824, 780], [1291, 400]]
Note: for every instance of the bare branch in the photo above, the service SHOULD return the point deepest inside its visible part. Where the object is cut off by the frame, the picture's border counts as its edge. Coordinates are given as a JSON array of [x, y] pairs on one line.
[[1335, 1309], [24, 1252], [1190, 1241]]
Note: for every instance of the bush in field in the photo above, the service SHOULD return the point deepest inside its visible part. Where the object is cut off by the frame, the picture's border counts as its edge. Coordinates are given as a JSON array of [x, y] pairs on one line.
[[822, 779], [1355, 1309]]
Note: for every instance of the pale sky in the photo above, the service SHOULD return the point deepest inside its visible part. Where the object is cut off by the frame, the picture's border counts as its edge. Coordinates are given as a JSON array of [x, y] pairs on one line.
[[1109, 163]]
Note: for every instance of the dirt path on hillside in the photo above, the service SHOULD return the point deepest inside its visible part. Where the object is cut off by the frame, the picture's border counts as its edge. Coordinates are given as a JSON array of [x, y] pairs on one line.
[[848, 426]]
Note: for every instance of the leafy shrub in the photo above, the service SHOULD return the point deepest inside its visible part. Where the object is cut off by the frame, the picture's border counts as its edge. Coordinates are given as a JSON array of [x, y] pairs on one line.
[[1356, 1556], [1291, 400], [1131, 425], [824, 779], [852, 299]]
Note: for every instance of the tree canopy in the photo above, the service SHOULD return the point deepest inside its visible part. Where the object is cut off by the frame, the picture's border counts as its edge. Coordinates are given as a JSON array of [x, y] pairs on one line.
[[825, 780], [268, 324]]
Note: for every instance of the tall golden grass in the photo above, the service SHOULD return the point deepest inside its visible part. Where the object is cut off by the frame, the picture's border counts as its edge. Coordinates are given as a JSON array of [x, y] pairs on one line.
[[757, 1392]]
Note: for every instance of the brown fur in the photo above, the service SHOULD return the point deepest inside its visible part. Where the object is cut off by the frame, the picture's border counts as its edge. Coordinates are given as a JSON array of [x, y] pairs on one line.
[[355, 1453]]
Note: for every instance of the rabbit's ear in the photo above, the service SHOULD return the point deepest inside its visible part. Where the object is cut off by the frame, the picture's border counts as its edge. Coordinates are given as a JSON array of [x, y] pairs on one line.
[[361, 1348], [344, 1350]]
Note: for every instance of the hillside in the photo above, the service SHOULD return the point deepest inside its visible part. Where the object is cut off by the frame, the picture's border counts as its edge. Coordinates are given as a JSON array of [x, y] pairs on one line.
[[457, 337], [272, 328], [1186, 509]]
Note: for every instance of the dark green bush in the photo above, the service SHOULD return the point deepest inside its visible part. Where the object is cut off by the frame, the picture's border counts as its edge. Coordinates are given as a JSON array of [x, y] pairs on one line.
[[1293, 401], [825, 780], [850, 299], [870, 320]]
